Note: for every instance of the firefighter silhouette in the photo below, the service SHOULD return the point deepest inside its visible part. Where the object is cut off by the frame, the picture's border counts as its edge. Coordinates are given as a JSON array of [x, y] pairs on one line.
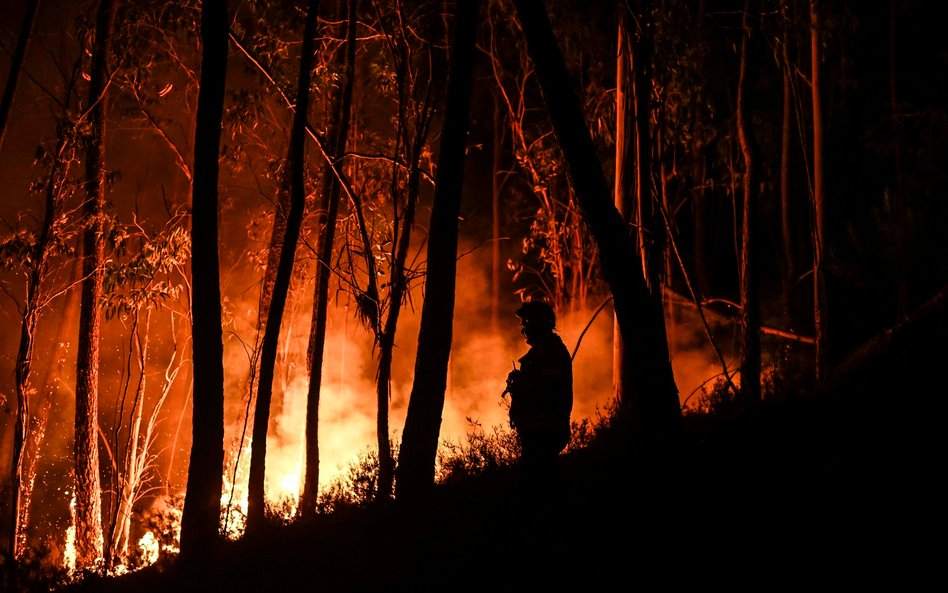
[[541, 393]]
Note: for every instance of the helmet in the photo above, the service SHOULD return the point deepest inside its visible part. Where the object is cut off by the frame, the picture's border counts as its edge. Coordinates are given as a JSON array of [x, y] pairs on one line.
[[537, 314]]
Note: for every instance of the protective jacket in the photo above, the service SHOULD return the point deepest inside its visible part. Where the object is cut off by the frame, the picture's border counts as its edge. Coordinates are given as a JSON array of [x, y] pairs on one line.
[[541, 393]]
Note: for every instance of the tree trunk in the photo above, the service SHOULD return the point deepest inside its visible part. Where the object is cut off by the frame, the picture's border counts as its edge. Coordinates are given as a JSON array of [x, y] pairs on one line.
[[819, 244], [901, 198], [648, 218], [383, 394], [131, 475], [256, 503], [339, 136], [495, 186], [625, 178], [386, 339], [416, 458], [398, 281], [24, 362], [39, 258], [651, 402], [277, 233], [200, 522], [9, 91], [88, 515], [700, 213], [786, 229], [749, 284], [49, 387]]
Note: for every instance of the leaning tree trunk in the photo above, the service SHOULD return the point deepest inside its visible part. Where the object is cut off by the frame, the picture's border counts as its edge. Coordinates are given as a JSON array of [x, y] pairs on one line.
[[13, 76], [200, 522], [819, 243], [749, 289], [256, 503], [416, 458], [651, 403], [339, 136], [88, 515]]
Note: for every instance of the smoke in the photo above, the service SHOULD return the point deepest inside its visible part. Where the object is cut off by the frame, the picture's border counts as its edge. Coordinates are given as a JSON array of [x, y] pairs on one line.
[[481, 356]]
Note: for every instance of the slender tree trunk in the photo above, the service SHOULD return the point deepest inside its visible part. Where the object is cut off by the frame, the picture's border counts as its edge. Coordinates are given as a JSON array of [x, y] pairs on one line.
[[700, 193], [339, 136], [651, 401], [650, 230], [749, 284], [383, 382], [819, 243], [9, 91], [24, 362], [15, 540], [383, 394], [702, 281], [900, 199], [88, 514], [416, 458], [256, 503], [625, 178], [786, 229], [131, 475], [49, 382], [277, 233], [495, 186], [398, 280], [200, 522]]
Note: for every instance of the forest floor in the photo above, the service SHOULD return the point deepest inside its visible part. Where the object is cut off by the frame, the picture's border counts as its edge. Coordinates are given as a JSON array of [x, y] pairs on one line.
[[835, 489]]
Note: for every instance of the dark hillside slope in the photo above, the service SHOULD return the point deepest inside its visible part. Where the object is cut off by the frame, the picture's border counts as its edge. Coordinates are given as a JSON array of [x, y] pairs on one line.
[[839, 487]]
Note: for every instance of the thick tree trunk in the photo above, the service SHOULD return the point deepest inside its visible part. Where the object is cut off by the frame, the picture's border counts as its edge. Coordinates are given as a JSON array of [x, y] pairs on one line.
[[339, 136], [88, 515], [416, 458], [651, 401], [200, 522], [13, 76], [819, 242], [749, 284], [256, 503]]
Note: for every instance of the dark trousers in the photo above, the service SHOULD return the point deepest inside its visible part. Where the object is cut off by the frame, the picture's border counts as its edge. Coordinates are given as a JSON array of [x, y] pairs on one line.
[[539, 467]]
